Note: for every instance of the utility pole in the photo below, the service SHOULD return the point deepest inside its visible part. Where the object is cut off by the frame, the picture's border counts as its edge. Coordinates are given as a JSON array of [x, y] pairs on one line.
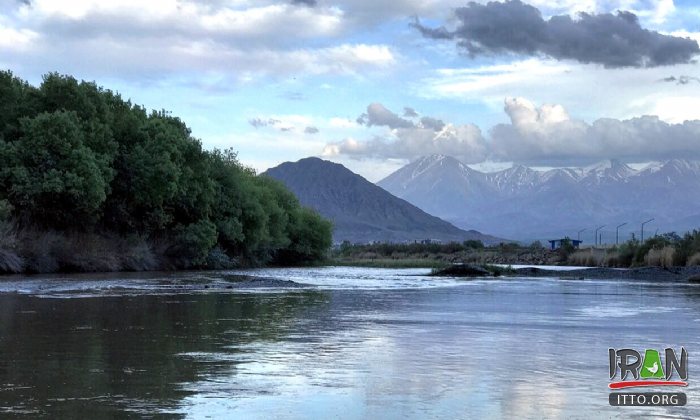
[[644, 223], [596, 233], [617, 233], [578, 235]]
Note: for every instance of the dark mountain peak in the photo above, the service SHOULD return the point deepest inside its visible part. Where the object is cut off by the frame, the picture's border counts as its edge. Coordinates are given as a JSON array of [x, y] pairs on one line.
[[360, 210], [317, 163]]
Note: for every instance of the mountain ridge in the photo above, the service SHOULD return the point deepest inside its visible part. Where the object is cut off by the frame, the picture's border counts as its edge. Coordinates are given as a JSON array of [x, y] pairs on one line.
[[524, 203]]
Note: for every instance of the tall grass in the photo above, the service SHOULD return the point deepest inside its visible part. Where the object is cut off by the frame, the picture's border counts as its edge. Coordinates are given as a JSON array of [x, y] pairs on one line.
[[33, 251], [587, 258], [10, 261], [663, 257]]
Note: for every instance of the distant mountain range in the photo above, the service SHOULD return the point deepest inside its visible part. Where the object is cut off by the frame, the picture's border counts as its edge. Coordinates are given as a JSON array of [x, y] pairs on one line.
[[526, 204], [360, 210]]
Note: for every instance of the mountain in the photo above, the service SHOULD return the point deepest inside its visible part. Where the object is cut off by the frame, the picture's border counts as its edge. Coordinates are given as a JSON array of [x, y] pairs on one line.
[[523, 203], [360, 210]]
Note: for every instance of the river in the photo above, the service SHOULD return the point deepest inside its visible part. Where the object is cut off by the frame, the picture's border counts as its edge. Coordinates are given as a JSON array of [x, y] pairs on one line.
[[339, 342]]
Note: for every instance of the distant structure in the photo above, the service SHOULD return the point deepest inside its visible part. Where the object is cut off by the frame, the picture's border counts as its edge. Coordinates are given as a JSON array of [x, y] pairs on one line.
[[430, 241], [556, 243]]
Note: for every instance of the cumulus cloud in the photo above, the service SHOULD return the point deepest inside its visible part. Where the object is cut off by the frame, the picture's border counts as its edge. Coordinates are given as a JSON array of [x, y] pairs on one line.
[[311, 130], [547, 135], [464, 142], [377, 114], [409, 112], [613, 40], [432, 123], [543, 135], [408, 140]]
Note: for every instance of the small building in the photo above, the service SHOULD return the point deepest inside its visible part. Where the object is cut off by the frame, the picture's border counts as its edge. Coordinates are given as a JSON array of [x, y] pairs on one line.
[[556, 243]]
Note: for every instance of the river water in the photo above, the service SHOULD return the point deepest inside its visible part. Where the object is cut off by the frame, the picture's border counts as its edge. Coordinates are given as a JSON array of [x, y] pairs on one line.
[[346, 343]]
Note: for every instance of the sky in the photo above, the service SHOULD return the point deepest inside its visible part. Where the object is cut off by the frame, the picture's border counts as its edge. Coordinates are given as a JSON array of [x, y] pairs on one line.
[[375, 84]]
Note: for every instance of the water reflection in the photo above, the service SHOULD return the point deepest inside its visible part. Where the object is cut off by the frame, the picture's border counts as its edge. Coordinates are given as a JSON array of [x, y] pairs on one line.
[[511, 348], [122, 353]]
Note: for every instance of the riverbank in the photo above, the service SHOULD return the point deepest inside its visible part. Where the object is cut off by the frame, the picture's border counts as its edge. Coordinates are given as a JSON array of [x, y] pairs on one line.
[[672, 274]]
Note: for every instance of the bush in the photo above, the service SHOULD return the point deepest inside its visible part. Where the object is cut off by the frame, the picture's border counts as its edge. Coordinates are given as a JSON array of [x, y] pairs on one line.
[[218, 260], [694, 259], [687, 247], [565, 249], [626, 253], [138, 255], [473, 244], [193, 243]]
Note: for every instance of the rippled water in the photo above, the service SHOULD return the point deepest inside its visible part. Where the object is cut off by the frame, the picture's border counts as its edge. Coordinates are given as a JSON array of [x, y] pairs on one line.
[[348, 343]]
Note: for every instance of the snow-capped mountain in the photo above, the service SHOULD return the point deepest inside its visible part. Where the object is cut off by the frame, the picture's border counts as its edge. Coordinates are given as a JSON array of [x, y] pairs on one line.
[[524, 203]]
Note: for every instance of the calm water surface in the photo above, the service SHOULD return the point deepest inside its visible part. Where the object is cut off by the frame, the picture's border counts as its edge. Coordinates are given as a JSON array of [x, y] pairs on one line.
[[349, 343]]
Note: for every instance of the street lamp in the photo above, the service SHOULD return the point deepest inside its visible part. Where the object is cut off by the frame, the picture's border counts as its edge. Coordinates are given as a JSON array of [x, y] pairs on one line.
[[578, 235], [644, 223], [617, 232], [596, 234]]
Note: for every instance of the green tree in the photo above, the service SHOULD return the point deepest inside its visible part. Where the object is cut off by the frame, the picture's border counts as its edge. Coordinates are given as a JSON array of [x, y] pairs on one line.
[[54, 179]]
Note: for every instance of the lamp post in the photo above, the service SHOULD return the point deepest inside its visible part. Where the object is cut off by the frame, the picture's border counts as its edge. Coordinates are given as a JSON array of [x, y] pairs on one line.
[[617, 233], [596, 234], [644, 223], [578, 235]]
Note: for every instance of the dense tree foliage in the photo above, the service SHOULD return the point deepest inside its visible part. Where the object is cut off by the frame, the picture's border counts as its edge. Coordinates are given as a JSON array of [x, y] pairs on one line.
[[76, 158]]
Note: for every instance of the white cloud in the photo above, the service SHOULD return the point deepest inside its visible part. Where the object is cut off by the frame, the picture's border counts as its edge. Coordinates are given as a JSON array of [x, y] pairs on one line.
[[544, 135], [676, 109], [462, 141], [547, 135], [16, 40], [244, 40]]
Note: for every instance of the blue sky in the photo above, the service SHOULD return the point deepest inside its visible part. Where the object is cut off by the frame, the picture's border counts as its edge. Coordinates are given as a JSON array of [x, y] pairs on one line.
[[304, 72]]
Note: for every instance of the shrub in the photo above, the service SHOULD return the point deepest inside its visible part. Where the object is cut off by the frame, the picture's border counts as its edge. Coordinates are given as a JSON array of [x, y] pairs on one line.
[[626, 253], [473, 244], [687, 247], [193, 243], [694, 259], [218, 260], [137, 254]]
